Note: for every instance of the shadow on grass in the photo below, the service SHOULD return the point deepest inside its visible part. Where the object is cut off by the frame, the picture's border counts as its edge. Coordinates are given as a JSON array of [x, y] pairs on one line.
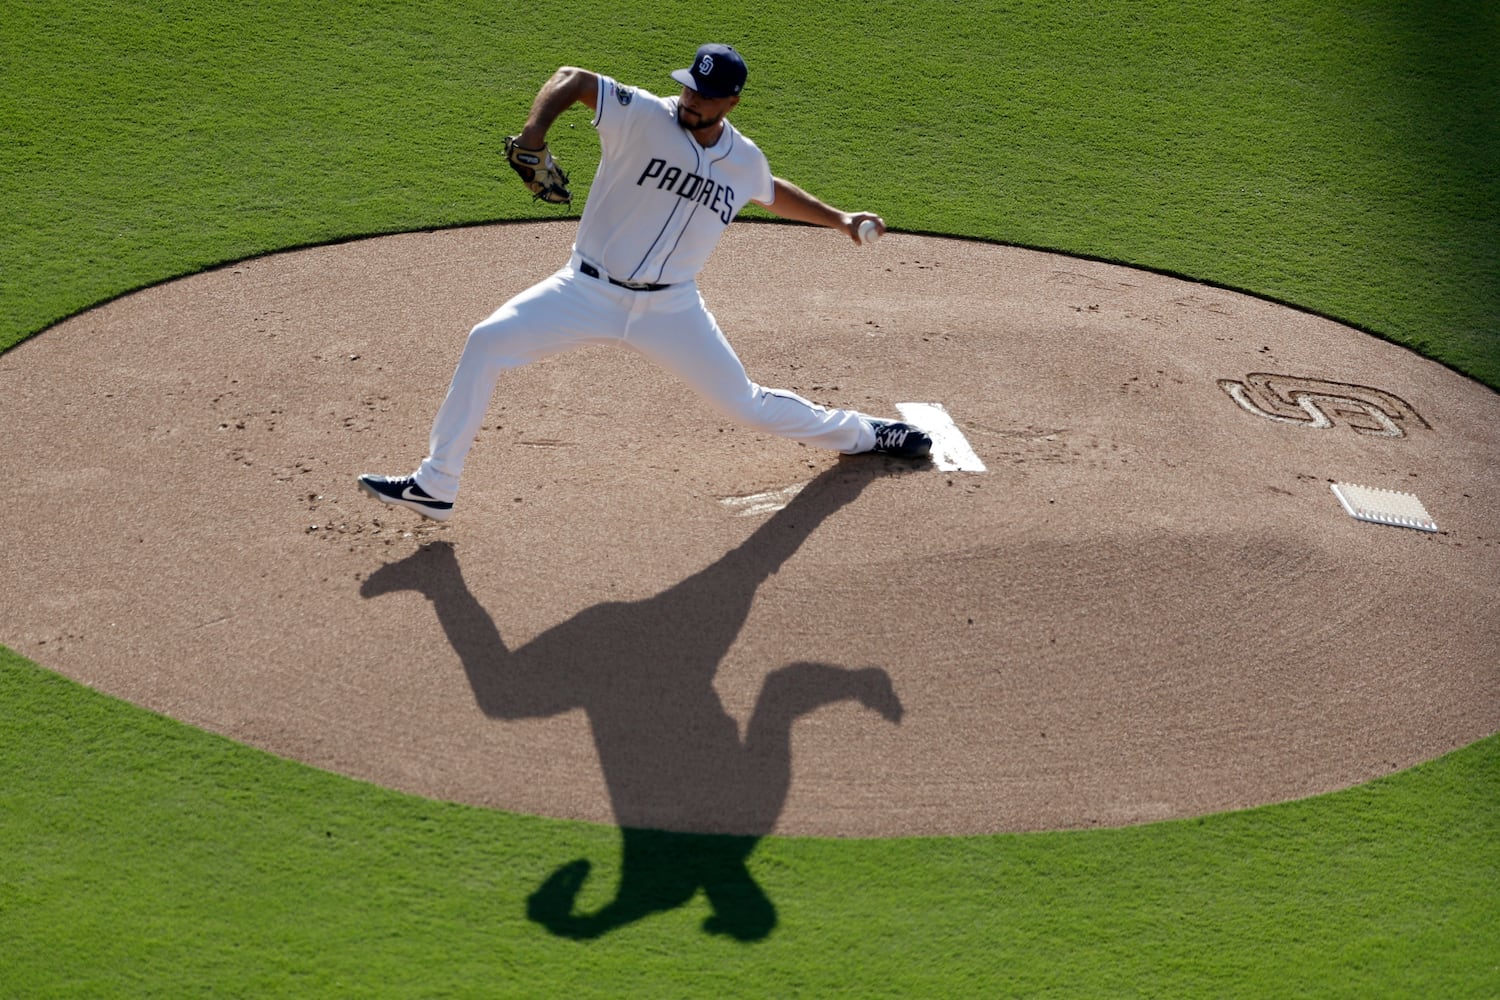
[[691, 796]]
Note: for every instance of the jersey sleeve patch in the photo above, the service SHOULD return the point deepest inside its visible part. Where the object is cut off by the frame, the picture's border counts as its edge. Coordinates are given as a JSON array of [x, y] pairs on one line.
[[617, 103]]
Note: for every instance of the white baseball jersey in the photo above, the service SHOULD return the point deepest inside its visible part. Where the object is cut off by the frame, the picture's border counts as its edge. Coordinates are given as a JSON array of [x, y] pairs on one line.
[[660, 201]]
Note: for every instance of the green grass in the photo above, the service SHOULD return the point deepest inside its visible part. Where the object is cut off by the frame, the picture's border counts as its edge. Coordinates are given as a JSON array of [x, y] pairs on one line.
[[1341, 157]]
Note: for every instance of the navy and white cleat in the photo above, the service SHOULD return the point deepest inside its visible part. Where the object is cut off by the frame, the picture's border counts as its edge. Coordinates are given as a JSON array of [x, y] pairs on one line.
[[900, 440], [403, 491]]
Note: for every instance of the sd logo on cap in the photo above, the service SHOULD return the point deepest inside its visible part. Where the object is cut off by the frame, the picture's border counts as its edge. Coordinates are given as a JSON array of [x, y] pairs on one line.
[[717, 71]]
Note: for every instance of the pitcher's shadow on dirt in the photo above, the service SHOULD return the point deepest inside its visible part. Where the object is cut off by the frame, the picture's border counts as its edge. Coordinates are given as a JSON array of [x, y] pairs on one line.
[[691, 797]]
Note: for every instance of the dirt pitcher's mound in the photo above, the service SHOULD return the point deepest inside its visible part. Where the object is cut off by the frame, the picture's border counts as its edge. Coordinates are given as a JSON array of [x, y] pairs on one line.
[[1150, 604]]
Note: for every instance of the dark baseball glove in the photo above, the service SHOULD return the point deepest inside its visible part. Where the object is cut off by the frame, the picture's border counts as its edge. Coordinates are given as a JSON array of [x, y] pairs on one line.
[[539, 172]]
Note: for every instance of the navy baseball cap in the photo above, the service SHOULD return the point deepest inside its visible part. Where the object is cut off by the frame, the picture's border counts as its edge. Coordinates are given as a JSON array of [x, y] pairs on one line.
[[717, 71]]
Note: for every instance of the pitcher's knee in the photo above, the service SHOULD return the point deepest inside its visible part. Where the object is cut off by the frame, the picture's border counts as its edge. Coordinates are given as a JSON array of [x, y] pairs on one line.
[[773, 409], [748, 407], [488, 333], [499, 342]]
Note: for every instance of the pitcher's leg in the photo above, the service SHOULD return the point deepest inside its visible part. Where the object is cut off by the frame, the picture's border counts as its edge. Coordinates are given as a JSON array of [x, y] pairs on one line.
[[546, 319], [463, 410], [690, 344]]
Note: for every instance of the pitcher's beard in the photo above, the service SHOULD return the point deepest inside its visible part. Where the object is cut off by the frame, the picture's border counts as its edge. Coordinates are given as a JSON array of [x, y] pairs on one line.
[[701, 125]]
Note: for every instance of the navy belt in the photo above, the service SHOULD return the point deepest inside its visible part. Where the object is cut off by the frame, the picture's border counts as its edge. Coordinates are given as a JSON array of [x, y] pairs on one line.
[[634, 286]]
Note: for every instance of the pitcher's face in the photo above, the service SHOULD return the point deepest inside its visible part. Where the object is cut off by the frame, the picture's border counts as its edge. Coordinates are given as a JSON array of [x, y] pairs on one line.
[[697, 113]]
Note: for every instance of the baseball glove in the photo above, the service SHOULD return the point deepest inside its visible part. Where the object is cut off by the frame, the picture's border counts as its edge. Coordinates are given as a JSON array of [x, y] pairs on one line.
[[539, 172]]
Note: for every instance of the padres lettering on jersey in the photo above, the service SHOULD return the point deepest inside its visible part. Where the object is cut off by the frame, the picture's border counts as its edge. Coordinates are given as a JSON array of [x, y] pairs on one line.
[[686, 184], [659, 201]]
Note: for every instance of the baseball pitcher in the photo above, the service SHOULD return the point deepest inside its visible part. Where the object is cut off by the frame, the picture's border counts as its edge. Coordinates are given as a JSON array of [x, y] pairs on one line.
[[673, 173]]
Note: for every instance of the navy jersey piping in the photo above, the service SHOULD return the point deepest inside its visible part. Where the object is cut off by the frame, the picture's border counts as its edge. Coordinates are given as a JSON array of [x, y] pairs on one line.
[[696, 205], [667, 223], [698, 161]]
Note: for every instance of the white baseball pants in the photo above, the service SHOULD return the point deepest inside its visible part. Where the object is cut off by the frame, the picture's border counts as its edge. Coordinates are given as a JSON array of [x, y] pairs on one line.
[[671, 326]]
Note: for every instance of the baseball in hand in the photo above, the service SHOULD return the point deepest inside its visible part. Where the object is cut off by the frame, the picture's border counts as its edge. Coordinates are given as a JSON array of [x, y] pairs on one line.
[[868, 232]]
